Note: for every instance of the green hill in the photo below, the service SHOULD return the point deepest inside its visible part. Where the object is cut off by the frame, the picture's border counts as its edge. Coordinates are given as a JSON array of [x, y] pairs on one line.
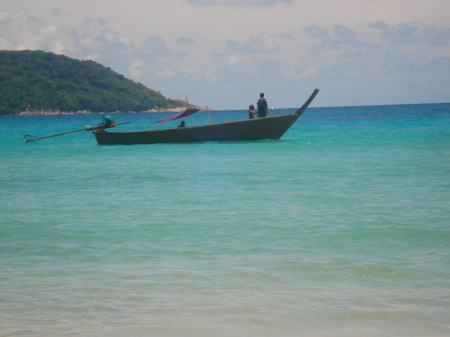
[[36, 80]]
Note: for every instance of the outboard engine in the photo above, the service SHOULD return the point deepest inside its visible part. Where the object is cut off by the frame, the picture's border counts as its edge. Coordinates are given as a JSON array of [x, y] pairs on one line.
[[108, 121]]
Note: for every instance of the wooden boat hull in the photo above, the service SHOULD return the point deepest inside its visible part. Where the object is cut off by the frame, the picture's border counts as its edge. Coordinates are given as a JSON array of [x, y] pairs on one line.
[[272, 127]]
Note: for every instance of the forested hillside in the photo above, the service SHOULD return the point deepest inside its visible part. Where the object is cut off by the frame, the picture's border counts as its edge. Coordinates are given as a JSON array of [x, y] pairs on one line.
[[35, 80]]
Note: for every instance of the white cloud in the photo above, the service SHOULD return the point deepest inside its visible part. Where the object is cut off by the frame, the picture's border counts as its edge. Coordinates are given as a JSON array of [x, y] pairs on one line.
[[341, 36], [185, 40], [279, 49], [93, 57], [135, 69], [255, 45], [414, 32], [187, 71], [4, 14], [236, 2], [316, 32], [211, 76], [165, 73]]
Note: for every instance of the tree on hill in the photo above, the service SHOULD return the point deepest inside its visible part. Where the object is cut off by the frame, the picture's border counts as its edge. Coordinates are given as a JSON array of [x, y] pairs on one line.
[[36, 80]]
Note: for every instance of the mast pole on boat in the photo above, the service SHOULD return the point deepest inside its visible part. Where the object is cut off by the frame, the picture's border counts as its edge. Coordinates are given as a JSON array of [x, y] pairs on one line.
[[209, 116], [187, 107]]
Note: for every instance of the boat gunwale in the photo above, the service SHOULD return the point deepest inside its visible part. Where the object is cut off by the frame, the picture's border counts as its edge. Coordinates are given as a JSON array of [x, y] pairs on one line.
[[294, 114]]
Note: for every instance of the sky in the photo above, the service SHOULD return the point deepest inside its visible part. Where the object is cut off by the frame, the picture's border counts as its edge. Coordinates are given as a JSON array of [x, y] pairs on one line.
[[223, 53]]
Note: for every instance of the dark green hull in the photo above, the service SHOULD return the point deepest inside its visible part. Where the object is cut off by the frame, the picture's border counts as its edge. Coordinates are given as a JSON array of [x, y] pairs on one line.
[[272, 127]]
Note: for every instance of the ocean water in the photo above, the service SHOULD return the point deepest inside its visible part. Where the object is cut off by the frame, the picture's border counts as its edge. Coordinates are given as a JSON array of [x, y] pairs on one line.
[[341, 228]]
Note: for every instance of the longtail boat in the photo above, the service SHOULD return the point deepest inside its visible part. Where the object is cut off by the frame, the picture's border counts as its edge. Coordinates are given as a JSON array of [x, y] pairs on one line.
[[270, 127]]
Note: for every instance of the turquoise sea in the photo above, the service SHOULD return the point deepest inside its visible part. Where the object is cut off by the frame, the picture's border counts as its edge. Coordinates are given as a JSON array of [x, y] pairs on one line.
[[341, 228]]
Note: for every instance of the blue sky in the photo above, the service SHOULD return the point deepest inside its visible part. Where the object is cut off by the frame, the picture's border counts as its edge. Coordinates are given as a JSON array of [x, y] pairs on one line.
[[223, 53]]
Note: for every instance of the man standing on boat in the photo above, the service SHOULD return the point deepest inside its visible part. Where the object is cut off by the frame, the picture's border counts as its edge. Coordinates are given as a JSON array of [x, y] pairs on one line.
[[262, 106]]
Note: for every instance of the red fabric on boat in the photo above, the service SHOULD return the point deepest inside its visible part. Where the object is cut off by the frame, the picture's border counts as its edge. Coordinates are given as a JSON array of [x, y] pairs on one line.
[[185, 113]]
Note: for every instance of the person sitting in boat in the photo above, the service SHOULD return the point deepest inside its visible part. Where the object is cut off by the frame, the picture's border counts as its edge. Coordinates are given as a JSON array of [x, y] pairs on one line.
[[251, 112], [182, 125]]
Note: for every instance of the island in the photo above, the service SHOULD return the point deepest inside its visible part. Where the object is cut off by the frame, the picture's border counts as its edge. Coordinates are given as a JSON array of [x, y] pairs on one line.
[[44, 83]]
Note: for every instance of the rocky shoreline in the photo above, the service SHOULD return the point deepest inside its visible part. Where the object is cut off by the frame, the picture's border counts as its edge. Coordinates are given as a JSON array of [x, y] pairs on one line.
[[50, 112]]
